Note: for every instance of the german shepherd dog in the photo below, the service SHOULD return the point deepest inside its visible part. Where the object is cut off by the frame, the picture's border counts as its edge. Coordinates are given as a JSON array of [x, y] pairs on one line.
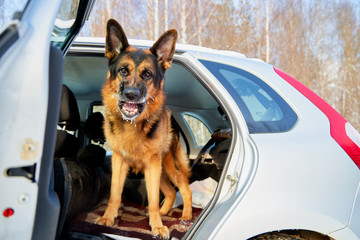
[[138, 126]]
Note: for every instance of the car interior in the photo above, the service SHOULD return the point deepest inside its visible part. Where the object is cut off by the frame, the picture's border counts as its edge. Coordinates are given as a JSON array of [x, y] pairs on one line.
[[82, 160]]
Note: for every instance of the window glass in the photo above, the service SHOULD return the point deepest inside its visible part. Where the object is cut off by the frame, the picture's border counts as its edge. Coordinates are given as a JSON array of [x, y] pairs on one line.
[[10, 9], [198, 129], [64, 21], [260, 105], [263, 109]]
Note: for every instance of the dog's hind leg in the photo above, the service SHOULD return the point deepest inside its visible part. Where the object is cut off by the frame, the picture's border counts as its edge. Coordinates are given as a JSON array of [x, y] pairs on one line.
[[169, 193], [119, 172], [152, 174], [180, 179]]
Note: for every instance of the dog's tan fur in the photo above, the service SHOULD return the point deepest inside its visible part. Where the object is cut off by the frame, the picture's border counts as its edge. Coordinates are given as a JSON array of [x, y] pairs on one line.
[[147, 143]]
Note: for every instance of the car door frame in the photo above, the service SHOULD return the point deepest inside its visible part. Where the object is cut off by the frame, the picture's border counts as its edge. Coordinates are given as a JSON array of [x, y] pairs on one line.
[[31, 77], [241, 164]]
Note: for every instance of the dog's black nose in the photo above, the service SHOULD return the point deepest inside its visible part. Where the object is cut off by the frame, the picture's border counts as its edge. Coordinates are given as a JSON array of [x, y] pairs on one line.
[[132, 93]]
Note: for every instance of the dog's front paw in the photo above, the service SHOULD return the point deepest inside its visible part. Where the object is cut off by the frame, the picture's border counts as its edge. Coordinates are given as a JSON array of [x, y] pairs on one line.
[[187, 214], [105, 221], [186, 218], [162, 232]]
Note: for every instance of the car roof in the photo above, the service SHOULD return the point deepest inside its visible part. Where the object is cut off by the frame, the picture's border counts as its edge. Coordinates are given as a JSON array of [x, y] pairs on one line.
[[199, 52]]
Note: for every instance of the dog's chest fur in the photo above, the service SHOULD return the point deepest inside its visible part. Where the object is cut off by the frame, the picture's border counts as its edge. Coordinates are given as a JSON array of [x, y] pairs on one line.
[[139, 142]]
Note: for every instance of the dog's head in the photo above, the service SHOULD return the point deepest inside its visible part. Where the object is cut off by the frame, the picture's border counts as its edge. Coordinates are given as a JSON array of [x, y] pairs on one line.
[[136, 75]]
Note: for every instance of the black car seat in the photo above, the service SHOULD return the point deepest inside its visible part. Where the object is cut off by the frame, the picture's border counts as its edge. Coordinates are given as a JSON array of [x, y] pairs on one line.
[[67, 144], [93, 154], [79, 178], [66, 148]]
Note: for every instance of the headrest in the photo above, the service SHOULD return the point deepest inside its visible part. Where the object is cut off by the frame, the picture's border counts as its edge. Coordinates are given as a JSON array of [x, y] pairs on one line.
[[93, 127], [69, 111]]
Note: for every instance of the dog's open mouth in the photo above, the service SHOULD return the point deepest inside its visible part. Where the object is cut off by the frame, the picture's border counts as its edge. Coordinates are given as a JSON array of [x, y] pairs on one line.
[[130, 110]]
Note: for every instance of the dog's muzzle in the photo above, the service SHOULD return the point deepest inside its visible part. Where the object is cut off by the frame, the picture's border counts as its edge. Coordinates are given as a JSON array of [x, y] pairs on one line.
[[132, 102]]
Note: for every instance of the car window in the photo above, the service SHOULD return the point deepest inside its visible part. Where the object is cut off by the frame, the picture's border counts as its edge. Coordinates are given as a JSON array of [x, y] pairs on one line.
[[260, 105], [263, 109], [10, 10], [199, 131], [64, 21], [70, 18]]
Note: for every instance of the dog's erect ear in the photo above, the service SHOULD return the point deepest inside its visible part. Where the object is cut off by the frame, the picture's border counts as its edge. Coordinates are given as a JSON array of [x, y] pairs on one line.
[[164, 48], [116, 40]]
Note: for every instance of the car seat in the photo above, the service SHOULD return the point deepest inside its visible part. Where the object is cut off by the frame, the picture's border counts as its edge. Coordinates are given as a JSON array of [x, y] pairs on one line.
[[66, 147], [67, 144], [79, 179], [93, 154]]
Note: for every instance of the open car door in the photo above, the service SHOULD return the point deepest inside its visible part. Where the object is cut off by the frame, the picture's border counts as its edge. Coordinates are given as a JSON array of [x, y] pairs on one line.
[[32, 46]]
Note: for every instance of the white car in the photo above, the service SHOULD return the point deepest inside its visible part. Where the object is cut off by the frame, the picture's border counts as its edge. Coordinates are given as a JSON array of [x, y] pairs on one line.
[[276, 160]]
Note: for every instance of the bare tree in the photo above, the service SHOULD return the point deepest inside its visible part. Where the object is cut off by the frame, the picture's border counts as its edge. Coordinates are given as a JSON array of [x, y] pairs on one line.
[[267, 23], [156, 19], [348, 32], [166, 18], [183, 16], [317, 42]]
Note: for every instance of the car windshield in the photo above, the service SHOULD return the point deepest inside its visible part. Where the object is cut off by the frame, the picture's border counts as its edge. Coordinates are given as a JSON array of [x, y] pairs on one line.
[[263, 109]]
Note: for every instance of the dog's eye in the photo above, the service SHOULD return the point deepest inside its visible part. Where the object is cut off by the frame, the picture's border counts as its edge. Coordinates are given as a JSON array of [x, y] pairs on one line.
[[123, 71], [147, 75]]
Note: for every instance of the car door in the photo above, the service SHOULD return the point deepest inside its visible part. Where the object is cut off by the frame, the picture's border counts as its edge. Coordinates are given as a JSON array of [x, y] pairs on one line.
[[31, 59]]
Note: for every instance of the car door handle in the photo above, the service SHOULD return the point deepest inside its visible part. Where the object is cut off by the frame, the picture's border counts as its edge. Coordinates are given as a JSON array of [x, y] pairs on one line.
[[25, 171]]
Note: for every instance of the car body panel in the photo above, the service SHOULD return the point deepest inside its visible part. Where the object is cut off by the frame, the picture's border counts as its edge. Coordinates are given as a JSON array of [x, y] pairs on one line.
[[306, 194], [352, 231]]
